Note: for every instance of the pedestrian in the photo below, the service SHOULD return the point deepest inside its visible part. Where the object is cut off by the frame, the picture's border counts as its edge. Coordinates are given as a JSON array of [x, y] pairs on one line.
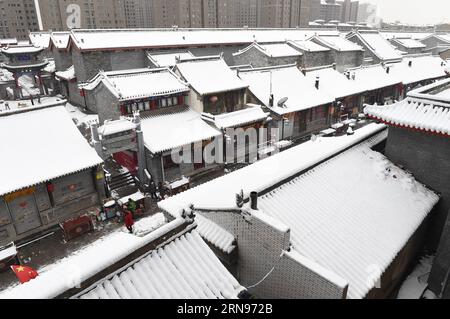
[[152, 189], [161, 190], [129, 221], [132, 205]]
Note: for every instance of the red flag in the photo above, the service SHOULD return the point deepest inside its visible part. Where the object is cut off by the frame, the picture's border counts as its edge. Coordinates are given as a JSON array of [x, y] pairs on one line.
[[24, 273]]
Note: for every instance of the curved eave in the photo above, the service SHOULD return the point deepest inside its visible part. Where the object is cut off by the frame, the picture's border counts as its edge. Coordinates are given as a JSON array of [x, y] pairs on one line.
[[409, 127], [28, 66]]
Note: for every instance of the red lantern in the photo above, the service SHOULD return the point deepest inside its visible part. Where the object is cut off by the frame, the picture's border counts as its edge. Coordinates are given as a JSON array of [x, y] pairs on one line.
[[214, 99], [51, 188]]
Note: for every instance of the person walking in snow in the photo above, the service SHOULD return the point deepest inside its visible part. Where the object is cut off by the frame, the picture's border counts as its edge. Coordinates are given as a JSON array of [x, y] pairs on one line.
[[132, 205], [152, 189], [129, 221]]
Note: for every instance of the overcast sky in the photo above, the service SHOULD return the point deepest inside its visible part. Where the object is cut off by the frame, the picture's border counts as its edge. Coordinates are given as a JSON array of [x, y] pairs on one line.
[[413, 11]]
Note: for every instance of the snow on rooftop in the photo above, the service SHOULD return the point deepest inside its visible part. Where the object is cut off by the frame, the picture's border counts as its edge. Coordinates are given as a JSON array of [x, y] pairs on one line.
[[221, 193], [338, 43], [169, 131], [413, 114], [18, 49], [379, 45], [215, 234], [241, 117], [57, 278], [139, 83], [308, 45], [413, 35], [374, 77], [41, 145], [168, 59], [409, 43], [60, 39], [352, 213], [117, 126], [422, 68], [335, 83], [209, 76], [186, 268], [273, 50], [40, 39], [67, 75], [286, 82], [162, 38]]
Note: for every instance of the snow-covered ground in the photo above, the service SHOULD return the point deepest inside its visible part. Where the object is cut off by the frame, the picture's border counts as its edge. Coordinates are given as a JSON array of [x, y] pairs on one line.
[[417, 282], [79, 116], [6, 106]]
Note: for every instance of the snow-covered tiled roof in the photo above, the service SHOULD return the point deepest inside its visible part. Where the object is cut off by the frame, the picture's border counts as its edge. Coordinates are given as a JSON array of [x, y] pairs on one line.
[[352, 214], [308, 45], [239, 118], [60, 39], [379, 46], [273, 50], [267, 172], [168, 59], [117, 126], [186, 268], [337, 43], [163, 38], [50, 139], [335, 83], [215, 234], [409, 43], [413, 35], [413, 114], [41, 39], [422, 68], [373, 77], [286, 82], [139, 83], [210, 75], [169, 131], [18, 49], [8, 41], [68, 74]]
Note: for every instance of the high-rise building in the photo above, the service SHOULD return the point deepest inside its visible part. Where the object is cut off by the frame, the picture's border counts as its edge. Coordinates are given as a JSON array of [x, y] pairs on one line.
[[210, 13], [247, 13], [300, 13], [181, 13], [226, 13], [349, 12], [315, 13], [367, 13], [89, 14], [330, 10], [275, 13], [17, 18]]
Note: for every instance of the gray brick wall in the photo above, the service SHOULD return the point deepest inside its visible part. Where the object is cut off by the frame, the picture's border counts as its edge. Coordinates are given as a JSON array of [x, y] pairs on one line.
[[258, 59], [428, 158], [260, 248], [67, 207]]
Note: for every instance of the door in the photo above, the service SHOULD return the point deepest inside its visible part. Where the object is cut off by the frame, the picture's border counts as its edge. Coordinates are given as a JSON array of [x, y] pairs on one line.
[[25, 214]]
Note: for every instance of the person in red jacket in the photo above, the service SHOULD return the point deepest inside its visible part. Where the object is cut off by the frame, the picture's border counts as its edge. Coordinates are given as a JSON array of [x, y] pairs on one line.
[[129, 221]]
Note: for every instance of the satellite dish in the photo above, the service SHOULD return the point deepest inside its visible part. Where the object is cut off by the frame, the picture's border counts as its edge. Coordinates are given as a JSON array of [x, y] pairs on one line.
[[282, 101]]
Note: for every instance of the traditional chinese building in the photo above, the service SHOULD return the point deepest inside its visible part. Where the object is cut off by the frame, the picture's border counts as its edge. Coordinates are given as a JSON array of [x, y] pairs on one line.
[[25, 60], [419, 141], [50, 175]]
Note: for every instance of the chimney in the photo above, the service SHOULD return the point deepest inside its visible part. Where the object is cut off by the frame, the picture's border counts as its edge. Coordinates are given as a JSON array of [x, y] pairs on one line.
[[271, 100], [410, 63], [317, 82], [353, 76], [347, 74], [254, 200], [388, 69], [334, 66], [304, 72]]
